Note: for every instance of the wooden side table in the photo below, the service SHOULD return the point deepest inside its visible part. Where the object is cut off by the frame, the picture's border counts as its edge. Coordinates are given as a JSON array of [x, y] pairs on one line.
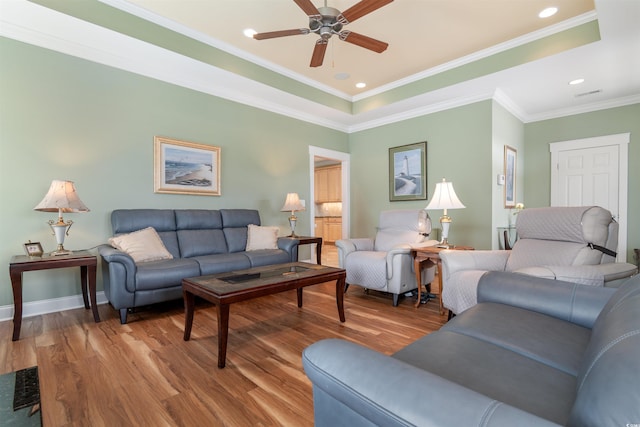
[[427, 257], [21, 263], [308, 240]]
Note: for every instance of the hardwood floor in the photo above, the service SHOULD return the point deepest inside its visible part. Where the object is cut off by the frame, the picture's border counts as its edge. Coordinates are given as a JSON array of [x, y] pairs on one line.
[[143, 373]]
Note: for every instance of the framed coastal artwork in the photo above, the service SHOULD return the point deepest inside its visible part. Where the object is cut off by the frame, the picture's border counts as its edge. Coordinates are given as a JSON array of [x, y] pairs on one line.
[[182, 167], [408, 172], [510, 162]]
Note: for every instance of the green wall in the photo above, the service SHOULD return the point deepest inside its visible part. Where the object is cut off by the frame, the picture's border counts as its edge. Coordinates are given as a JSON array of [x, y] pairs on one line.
[[539, 135], [458, 149], [67, 118], [506, 130]]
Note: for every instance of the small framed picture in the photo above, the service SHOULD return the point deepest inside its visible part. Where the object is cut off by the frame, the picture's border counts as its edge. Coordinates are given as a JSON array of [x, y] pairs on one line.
[[33, 248]]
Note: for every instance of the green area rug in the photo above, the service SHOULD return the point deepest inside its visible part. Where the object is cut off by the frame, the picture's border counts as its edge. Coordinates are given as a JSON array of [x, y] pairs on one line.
[[20, 398]]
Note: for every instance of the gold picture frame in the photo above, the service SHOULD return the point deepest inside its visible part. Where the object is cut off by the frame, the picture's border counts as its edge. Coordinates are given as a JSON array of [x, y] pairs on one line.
[[510, 164], [33, 249], [182, 167]]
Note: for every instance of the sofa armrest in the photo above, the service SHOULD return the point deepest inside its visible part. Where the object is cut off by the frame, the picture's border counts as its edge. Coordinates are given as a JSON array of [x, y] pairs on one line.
[[111, 254], [353, 386], [614, 271], [454, 261], [568, 301], [290, 246], [124, 273]]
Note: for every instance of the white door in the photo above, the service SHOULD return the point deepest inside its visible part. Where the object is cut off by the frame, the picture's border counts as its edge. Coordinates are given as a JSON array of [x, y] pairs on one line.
[[593, 171]]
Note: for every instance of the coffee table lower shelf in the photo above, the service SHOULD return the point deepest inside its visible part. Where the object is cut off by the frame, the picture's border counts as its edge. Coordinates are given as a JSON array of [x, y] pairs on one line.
[[227, 288]]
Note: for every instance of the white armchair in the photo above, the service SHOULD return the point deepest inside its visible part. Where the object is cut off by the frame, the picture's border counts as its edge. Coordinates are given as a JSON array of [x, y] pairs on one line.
[[575, 244], [385, 263]]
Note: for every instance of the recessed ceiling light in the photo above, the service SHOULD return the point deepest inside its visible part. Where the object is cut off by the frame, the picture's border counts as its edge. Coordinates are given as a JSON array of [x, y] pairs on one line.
[[576, 81], [249, 32], [361, 85], [550, 11]]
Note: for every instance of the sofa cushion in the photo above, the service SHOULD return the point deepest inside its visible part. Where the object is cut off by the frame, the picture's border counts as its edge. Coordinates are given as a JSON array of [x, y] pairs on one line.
[[222, 263], [142, 245], [166, 273], [201, 242], [261, 237], [496, 372], [197, 219], [555, 343]]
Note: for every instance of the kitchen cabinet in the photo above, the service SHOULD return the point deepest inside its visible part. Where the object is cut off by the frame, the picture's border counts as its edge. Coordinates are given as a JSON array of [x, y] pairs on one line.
[[328, 184], [329, 228]]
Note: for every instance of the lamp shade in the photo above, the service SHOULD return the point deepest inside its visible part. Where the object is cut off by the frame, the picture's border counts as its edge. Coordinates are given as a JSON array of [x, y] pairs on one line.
[[61, 197], [444, 197], [292, 203]]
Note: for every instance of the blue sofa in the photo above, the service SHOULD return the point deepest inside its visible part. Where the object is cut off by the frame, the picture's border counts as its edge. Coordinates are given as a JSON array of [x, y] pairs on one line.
[[201, 242], [532, 352]]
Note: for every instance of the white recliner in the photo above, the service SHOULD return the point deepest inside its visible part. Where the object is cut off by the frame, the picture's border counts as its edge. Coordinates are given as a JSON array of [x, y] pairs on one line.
[[385, 263], [575, 244]]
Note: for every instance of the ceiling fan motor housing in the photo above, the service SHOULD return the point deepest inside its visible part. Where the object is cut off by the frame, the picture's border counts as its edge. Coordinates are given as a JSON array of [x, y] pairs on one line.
[[328, 24]]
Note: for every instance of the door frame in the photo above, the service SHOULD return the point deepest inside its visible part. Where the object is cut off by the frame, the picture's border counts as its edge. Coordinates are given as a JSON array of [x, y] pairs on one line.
[[622, 141], [345, 160]]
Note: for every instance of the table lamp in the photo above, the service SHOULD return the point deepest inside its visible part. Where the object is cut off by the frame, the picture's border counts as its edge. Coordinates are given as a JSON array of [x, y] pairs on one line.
[[61, 197], [444, 197], [292, 204]]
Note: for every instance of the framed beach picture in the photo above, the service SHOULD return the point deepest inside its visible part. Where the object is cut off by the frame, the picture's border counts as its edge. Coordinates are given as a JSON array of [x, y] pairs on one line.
[[183, 167], [408, 172], [510, 162]]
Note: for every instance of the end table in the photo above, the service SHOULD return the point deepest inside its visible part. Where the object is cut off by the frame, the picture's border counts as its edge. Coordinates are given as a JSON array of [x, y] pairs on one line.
[[21, 263], [427, 257]]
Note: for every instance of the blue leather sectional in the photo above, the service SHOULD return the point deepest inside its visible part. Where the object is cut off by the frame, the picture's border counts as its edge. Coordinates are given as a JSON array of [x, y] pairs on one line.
[[201, 241], [532, 352]]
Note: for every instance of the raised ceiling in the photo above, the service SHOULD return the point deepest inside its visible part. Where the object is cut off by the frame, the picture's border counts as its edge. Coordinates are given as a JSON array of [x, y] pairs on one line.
[[422, 34]]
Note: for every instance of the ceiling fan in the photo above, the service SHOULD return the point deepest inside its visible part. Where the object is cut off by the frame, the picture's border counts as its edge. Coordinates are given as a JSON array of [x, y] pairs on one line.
[[327, 21]]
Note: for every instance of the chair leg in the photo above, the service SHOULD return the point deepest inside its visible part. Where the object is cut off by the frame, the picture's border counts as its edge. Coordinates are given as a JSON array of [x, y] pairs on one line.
[[396, 298]]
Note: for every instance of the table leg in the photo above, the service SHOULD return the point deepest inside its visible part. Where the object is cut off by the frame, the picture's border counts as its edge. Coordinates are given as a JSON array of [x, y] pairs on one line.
[[16, 285], [439, 266], [340, 297], [189, 304], [299, 292], [319, 253], [223, 333], [92, 292], [83, 281], [417, 269]]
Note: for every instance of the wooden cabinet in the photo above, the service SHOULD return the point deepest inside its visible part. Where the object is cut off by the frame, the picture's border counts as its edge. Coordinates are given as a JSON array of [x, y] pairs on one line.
[[329, 228], [328, 184]]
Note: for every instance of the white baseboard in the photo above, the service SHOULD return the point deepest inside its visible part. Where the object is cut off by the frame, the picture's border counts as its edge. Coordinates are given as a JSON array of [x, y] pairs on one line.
[[54, 305]]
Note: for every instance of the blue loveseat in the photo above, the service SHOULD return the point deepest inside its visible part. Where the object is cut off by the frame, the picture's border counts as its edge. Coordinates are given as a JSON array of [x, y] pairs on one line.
[[200, 241], [532, 352]]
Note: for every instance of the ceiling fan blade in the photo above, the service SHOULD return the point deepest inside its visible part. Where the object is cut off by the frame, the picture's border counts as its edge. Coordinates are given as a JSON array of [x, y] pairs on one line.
[[281, 33], [318, 53], [308, 7], [364, 41], [361, 9]]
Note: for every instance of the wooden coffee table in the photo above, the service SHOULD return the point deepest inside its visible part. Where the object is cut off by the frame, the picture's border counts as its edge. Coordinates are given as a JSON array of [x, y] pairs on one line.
[[226, 288]]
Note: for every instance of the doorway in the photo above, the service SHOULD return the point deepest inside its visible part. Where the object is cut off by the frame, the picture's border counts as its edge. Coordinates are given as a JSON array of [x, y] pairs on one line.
[[329, 212], [593, 171]]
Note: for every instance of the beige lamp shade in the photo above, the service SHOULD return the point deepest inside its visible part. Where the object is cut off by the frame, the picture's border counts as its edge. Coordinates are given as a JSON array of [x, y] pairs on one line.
[[61, 197], [444, 197], [292, 203]]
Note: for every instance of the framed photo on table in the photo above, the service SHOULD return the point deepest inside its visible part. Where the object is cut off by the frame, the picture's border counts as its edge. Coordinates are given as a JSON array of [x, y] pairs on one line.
[[182, 167], [510, 162], [33, 249], [408, 172]]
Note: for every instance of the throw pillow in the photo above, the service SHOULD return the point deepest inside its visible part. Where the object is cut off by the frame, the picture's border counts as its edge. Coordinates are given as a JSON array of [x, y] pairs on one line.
[[142, 245], [261, 237]]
